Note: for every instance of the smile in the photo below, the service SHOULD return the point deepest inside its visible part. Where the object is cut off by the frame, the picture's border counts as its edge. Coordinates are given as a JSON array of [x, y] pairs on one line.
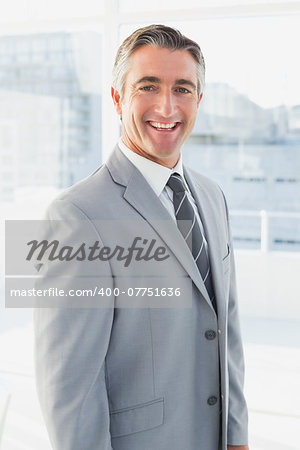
[[164, 126]]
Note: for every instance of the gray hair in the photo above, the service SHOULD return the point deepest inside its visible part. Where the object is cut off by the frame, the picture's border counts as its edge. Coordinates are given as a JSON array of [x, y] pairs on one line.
[[155, 36]]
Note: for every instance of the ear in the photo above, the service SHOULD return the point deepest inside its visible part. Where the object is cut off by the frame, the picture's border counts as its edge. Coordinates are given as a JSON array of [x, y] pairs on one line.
[[117, 100], [200, 98]]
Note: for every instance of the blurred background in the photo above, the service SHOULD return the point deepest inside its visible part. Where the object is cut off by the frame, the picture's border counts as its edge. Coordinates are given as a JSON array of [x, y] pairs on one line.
[[57, 125]]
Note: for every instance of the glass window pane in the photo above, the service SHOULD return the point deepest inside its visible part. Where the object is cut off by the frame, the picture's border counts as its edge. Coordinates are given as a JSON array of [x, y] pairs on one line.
[[49, 111], [247, 133]]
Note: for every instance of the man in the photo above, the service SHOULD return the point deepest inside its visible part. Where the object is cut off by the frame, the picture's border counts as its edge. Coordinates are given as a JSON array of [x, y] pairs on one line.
[[149, 378]]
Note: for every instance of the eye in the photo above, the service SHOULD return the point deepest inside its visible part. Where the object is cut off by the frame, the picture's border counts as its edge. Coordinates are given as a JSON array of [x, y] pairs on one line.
[[147, 88], [183, 90]]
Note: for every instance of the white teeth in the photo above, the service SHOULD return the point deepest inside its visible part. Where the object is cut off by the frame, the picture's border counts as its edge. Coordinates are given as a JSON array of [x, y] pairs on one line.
[[163, 126]]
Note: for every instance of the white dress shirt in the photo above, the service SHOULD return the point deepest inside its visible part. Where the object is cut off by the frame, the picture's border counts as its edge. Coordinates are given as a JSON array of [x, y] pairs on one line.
[[157, 177]]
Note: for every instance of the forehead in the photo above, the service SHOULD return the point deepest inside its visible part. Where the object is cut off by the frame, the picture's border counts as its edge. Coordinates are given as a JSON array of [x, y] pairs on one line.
[[162, 63]]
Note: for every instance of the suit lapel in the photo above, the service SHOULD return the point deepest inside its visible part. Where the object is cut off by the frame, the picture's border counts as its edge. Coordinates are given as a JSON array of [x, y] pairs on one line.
[[142, 198]]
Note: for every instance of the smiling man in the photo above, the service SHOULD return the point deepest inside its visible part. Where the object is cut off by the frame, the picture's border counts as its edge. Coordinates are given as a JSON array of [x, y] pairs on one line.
[[160, 103], [145, 378]]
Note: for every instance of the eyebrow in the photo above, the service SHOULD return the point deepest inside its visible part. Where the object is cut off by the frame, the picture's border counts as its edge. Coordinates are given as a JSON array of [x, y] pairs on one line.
[[187, 82], [150, 79], [147, 79]]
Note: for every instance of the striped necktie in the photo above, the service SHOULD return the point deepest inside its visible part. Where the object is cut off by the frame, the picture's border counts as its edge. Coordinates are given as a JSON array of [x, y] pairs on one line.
[[190, 229]]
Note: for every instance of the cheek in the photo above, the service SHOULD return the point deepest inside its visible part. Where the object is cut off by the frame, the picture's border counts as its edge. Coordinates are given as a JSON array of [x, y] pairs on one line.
[[137, 114], [134, 122], [191, 113]]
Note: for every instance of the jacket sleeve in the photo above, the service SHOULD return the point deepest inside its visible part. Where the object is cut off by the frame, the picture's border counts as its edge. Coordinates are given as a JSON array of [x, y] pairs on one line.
[[237, 425], [71, 344]]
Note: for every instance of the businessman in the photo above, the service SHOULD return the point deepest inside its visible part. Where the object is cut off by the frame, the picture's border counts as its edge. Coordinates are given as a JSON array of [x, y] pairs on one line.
[[139, 377]]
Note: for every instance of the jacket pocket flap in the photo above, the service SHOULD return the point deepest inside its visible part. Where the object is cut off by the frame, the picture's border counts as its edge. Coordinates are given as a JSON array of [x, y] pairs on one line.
[[137, 418]]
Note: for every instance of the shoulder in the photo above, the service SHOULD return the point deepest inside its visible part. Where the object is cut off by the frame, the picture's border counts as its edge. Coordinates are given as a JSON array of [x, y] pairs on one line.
[[85, 197], [207, 191], [86, 187], [203, 182]]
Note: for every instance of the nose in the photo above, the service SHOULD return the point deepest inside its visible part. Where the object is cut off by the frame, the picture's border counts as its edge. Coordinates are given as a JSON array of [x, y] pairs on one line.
[[166, 104]]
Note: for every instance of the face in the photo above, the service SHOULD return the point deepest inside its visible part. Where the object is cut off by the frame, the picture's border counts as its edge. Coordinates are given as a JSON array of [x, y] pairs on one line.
[[160, 103]]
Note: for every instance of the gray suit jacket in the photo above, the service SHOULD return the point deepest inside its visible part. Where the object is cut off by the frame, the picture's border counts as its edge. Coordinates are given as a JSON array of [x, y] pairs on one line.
[[143, 378]]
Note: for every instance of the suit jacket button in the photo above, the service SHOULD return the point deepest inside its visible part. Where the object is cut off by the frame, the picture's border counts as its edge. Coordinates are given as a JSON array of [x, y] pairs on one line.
[[212, 400], [210, 335]]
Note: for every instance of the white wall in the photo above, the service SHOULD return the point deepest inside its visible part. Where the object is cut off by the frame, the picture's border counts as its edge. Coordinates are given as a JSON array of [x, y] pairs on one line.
[[269, 284]]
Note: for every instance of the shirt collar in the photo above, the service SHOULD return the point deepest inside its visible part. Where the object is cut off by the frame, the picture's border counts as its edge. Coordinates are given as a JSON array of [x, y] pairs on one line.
[[155, 174]]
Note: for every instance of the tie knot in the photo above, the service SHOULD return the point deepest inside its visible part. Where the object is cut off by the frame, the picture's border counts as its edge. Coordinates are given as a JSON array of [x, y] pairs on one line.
[[175, 182]]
